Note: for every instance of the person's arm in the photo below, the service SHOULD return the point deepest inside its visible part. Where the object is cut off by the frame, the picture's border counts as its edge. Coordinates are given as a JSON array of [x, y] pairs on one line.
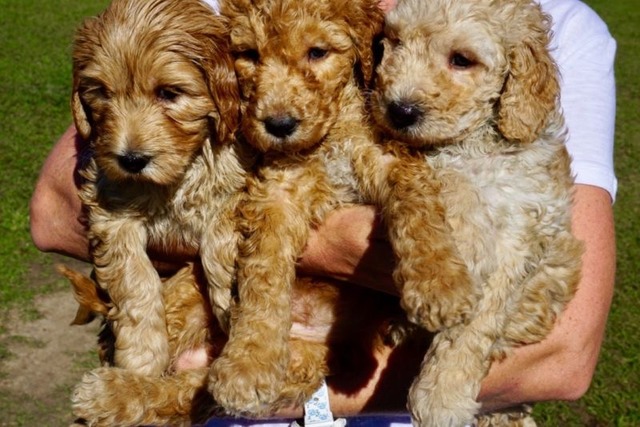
[[350, 246], [55, 211]]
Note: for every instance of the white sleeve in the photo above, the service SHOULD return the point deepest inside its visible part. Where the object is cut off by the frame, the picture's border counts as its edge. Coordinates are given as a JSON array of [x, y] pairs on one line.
[[585, 53], [213, 4]]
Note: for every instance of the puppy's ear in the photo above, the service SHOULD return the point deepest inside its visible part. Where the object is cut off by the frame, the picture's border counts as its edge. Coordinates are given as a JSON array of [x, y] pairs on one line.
[[85, 38], [218, 65], [80, 118], [365, 19], [531, 89]]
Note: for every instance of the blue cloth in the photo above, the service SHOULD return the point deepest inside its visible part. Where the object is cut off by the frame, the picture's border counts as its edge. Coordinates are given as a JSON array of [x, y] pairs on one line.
[[369, 420]]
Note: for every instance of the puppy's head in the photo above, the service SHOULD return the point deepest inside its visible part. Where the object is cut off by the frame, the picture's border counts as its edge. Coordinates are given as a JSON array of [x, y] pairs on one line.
[[152, 80], [449, 68], [295, 60]]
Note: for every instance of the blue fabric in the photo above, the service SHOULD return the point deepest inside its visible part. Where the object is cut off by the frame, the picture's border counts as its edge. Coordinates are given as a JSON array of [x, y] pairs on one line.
[[369, 420]]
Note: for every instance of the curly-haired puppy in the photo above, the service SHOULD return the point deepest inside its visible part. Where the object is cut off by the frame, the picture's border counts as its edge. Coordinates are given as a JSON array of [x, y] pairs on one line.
[[302, 66], [471, 84], [121, 397], [155, 96]]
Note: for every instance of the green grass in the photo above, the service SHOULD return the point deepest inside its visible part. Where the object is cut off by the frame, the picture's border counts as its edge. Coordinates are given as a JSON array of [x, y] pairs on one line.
[[34, 91], [34, 110]]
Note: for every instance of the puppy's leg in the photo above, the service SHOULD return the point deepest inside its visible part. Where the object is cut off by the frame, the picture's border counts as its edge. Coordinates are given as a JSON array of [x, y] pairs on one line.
[[113, 397], [189, 322], [249, 375], [219, 253], [125, 271], [445, 391], [435, 285], [546, 292], [512, 417], [307, 369]]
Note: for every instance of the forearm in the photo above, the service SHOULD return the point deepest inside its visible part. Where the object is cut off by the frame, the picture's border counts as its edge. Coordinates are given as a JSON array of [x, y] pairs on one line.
[[351, 246], [56, 218]]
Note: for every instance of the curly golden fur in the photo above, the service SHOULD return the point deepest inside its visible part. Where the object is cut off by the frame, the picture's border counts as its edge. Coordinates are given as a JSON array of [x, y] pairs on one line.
[[156, 98], [472, 86], [302, 67], [119, 397]]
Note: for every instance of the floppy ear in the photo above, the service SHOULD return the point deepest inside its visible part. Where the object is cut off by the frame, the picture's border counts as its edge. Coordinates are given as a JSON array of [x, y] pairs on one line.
[[85, 37], [531, 90], [80, 118], [365, 19], [218, 65]]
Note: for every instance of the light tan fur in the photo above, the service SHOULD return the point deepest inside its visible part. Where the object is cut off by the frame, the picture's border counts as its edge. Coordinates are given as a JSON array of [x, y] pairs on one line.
[[471, 84], [118, 397], [156, 98], [302, 67]]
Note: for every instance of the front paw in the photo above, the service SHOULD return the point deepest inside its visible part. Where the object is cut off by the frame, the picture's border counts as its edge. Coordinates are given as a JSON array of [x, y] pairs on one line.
[[440, 300], [442, 406], [101, 399], [246, 387]]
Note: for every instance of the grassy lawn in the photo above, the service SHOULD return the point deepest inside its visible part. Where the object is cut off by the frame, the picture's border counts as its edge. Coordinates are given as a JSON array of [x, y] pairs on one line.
[[34, 111]]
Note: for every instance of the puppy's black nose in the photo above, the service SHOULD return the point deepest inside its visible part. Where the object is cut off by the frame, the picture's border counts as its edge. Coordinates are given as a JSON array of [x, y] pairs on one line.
[[403, 114], [280, 126], [133, 162]]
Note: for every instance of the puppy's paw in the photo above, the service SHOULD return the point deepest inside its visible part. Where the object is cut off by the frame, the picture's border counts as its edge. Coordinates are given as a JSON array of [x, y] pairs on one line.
[[246, 387], [440, 406], [101, 399], [440, 300]]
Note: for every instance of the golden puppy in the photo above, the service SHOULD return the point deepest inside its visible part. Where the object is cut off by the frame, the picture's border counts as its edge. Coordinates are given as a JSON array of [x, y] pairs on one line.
[[302, 67], [156, 98], [471, 85]]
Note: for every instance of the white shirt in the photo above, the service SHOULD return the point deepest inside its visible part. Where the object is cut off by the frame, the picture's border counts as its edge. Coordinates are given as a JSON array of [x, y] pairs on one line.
[[213, 4], [585, 51]]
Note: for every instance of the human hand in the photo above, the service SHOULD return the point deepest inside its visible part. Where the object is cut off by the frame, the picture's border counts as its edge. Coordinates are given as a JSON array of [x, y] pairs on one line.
[[350, 245]]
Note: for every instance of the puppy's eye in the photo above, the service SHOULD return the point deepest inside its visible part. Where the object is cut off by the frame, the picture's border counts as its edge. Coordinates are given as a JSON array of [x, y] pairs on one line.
[[251, 55], [317, 53], [168, 94], [461, 61], [96, 91]]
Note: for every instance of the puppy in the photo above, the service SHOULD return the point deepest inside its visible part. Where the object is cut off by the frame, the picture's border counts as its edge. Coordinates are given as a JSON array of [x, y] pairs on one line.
[[120, 397], [471, 85], [156, 99], [302, 67]]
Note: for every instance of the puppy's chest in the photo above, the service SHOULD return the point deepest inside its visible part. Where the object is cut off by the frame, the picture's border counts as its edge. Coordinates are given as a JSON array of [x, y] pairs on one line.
[[500, 202], [327, 171], [336, 160], [505, 182], [175, 227]]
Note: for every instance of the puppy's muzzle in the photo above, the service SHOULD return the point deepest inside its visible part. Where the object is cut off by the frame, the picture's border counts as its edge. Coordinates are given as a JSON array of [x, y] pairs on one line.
[[281, 126], [133, 162], [403, 114]]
